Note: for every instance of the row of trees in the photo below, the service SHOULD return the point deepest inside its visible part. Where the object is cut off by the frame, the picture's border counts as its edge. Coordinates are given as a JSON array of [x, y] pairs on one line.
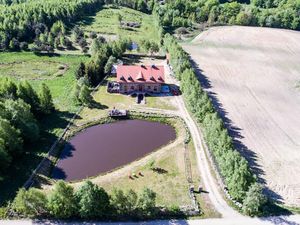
[[89, 201], [24, 22], [269, 13], [20, 108], [232, 166]]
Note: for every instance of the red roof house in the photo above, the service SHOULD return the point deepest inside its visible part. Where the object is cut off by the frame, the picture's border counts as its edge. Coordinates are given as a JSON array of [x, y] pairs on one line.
[[140, 78]]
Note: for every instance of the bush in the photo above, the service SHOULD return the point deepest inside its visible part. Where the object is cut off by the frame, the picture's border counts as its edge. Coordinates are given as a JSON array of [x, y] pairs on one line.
[[93, 201], [62, 203], [30, 203]]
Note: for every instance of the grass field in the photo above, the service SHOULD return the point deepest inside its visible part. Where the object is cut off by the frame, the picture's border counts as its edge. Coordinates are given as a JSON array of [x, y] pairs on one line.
[[106, 22], [25, 66]]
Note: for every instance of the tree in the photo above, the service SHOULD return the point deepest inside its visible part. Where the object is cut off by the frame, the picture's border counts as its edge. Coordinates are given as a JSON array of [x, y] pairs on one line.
[[11, 137], [93, 201], [19, 114], [61, 202], [254, 200], [85, 95], [8, 89], [119, 201], [30, 203], [108, 66], [5, 158], [45, 98], [153, 48], [147, 200], [80, 71], [28, 94]]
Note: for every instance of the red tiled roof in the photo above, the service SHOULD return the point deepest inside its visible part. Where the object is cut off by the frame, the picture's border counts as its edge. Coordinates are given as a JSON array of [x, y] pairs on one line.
[[140, 74]]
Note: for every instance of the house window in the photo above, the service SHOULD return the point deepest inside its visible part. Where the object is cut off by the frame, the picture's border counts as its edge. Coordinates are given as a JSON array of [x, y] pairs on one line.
[[155, 88], [132, 87], [149, 87]]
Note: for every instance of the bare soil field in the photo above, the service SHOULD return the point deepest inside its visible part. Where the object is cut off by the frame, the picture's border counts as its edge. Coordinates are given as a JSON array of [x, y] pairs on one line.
[[252, 75]]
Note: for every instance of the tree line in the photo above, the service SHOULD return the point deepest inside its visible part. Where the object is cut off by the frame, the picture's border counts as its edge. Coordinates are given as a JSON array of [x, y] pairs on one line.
[[21, 107], [264, 13], [89, 201], [234, 169], [25, 21]]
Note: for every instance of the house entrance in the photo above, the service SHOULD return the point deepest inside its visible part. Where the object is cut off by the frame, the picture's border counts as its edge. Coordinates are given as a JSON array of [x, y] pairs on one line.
[[141, 88]]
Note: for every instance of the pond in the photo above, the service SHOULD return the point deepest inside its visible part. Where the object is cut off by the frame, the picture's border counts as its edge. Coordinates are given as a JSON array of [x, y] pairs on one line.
[[102, 148]]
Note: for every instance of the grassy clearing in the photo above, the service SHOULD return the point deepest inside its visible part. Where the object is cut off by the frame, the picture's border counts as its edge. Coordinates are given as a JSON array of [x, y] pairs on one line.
[[34, 68], [51, 126], [106, 22]]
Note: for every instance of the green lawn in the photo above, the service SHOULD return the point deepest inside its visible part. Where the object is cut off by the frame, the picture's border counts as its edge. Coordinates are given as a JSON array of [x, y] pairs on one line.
[[106, 22], [25, 67]]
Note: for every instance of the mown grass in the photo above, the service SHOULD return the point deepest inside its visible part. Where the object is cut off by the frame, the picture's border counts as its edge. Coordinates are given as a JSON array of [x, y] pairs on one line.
[[51, 126], [106, 22]]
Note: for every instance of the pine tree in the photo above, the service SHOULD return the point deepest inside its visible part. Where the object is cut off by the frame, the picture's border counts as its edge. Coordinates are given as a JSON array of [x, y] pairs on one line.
[[28, 94], [254, 200], [46, 102], [80, 71], [85, 95]]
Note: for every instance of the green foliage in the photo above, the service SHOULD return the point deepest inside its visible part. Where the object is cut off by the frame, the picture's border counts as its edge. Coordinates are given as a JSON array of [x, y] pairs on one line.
[[130, 203], [108, 66], [45, 98], [85, 97], [44, 15], [270, 13], [147, 200], [19, 114], [28, 94], [93, 201], [254, 201], [30, 203], [11, 137], [62, 202]]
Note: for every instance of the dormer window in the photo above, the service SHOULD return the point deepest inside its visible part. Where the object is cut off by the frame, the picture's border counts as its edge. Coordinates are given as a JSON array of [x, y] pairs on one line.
[[152, 78], [130, 78], [122, 78], [160, 78]]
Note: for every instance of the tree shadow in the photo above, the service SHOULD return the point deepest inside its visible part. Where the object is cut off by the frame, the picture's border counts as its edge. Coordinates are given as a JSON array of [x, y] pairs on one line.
[[279, 220], [233, 131], [58, 173], [97, 105]]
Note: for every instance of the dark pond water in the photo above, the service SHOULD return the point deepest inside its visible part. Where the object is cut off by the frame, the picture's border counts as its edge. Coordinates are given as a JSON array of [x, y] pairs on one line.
[[102, 148]]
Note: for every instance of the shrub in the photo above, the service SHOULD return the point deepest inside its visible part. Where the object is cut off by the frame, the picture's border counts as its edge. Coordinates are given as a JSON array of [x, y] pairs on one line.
[[93, 201], [61, 202], [30, 203]]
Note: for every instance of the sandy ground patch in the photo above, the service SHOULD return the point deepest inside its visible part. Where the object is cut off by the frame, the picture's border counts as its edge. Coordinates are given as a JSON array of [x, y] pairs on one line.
[[252, 75]]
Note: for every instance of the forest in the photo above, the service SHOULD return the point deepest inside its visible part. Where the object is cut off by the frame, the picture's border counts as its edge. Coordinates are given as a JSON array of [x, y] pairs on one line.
[[264, 13]]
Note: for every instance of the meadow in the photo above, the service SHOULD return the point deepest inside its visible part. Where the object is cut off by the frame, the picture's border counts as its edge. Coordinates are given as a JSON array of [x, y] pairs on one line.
[[106, 23]]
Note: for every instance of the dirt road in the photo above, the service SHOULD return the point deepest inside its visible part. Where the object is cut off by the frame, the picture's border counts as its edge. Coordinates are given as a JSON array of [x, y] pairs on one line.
[[253, 76]]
